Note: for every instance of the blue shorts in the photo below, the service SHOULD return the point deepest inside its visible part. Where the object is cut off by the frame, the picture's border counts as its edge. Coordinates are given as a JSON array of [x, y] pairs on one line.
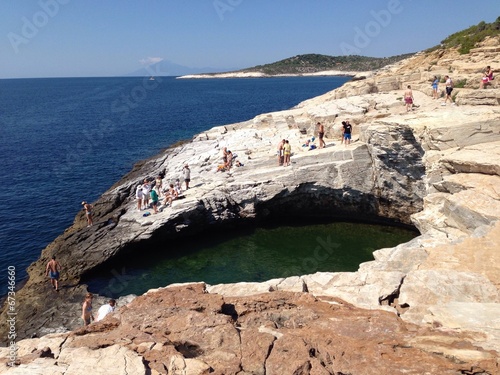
[[347, 135], [54, 275]]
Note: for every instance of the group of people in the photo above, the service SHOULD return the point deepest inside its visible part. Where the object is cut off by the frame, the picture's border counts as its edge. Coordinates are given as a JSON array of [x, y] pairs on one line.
[[53, 270], [154, 190], [485, 81], [87, 314], [284, 150], [228, 159], [284, 153], [448, 89]]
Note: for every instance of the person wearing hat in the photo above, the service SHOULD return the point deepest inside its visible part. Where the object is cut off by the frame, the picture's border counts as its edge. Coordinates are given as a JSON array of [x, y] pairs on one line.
[[88, 212], [187, 175]]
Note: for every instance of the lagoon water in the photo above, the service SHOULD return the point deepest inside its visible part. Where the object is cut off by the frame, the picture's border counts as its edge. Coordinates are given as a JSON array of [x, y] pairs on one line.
[[64, 140]]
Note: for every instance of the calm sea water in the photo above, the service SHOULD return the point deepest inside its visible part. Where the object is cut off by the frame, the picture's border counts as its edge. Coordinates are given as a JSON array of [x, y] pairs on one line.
[[67, 140]]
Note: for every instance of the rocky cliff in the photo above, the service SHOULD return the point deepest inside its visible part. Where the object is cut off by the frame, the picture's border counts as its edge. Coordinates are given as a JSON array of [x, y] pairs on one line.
[[427, 306]]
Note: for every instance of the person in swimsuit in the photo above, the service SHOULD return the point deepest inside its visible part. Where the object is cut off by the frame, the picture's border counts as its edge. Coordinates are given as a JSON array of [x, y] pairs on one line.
[[170, 196], [87, 309], [435, 83], [321, 134], [280, 152], [287, 151], [52, 269], [409, 99], [487, 78], [88, 212]]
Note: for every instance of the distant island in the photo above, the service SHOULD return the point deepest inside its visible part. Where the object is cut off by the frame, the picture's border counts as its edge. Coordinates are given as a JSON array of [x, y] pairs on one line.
[[310, 65]]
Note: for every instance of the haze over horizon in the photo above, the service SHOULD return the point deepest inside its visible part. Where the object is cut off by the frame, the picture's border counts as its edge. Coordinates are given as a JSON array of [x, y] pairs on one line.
[[72, 38]]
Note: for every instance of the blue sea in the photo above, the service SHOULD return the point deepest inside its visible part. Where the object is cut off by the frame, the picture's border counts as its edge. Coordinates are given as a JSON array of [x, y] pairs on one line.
[[64, 140]]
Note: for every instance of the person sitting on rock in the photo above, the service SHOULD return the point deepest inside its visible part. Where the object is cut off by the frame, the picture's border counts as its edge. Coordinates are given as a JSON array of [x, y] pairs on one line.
[[487, 78], [170, 196]]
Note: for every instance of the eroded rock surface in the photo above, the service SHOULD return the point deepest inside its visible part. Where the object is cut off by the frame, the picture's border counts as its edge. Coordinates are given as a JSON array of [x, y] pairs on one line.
[[185, 330]]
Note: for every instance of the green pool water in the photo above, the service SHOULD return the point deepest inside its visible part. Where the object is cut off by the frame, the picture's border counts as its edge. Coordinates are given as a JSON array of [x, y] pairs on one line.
[[251, 255]]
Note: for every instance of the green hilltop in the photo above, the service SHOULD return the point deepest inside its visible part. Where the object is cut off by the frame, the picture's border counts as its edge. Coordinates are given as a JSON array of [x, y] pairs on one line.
[[312, 63], [466, 39]]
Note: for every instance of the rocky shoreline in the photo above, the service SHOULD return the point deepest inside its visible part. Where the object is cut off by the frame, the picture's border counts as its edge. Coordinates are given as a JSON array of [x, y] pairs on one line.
[[430, 305], [339, 73]]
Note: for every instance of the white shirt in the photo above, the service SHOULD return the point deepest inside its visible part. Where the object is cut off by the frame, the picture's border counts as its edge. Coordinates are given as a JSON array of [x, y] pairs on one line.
[[103, 311]]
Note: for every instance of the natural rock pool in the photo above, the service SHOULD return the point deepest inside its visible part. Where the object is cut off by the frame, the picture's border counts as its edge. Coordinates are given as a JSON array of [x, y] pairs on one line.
[[252, 255]]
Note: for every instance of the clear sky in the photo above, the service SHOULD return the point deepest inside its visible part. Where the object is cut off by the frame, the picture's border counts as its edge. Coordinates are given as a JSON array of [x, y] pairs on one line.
[[73, 38]]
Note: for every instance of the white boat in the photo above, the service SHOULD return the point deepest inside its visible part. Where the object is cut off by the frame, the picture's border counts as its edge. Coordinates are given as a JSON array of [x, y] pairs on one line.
[[151, 78]]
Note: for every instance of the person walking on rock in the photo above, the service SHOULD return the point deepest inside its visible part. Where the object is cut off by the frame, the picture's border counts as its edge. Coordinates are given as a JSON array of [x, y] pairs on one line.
[[53, 268], [449, 89]]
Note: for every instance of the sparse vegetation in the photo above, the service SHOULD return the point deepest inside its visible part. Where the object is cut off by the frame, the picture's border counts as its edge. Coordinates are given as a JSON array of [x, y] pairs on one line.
[[461, 83], [467, 39]]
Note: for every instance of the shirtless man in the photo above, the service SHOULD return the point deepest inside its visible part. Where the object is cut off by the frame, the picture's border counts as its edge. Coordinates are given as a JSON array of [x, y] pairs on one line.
[[409, 99], [321, 134], [280, 152], [53, 268], [88, 212]]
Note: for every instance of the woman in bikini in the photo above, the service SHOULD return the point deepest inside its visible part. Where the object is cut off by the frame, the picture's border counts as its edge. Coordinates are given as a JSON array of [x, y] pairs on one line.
[[87, 309]]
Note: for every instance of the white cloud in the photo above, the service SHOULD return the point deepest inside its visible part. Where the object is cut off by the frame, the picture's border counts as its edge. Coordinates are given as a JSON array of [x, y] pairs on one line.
[[150, 60]]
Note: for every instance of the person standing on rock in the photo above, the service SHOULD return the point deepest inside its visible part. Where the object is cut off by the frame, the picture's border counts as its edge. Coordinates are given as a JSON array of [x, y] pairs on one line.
[[280, 152], [435, 84], [321, 134], [449, 89], [347, 133], [154, 200], [146, 188], [186, 173], [88, 213], [53, 268], [287, 152], [139, 197], [409, 99], [87, 316]]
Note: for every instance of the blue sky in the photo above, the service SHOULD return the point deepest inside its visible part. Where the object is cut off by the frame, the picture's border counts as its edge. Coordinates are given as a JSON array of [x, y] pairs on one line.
[[82, 38]]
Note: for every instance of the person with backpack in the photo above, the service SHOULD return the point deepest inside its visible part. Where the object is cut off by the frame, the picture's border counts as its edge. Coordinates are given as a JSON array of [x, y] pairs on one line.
[[449, 89]]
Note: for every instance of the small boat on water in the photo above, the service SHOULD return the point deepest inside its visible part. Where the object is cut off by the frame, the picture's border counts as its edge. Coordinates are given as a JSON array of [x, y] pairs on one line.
[[151, 78]]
